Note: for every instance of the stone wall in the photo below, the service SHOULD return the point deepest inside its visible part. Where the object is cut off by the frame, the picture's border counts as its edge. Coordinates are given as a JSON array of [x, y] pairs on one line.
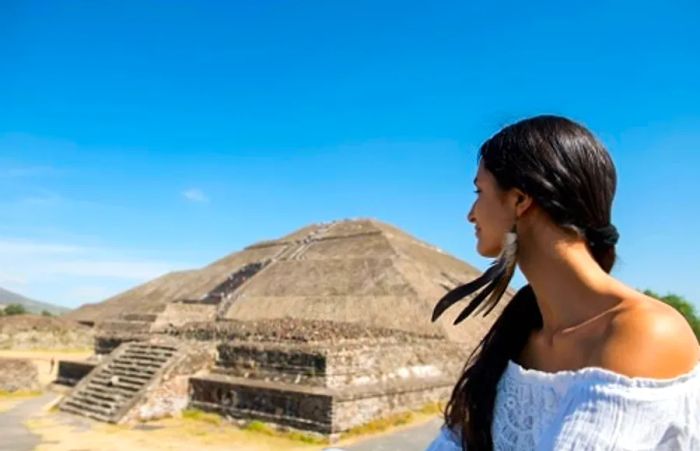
[[239, 398], [363, 362], [18, 375], [327, 388], [372, 363], [317, 410], [352, 412], [266, 361], [179, 313]]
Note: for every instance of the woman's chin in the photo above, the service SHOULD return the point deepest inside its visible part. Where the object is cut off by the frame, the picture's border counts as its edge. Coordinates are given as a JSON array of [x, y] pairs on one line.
[[487, 251]]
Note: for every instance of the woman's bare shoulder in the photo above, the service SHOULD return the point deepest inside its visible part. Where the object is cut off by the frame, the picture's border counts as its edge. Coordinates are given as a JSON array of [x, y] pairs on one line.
[[648, 338]]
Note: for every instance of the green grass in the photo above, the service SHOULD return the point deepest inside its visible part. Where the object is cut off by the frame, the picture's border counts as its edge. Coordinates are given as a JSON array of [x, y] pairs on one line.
[[200, 415]]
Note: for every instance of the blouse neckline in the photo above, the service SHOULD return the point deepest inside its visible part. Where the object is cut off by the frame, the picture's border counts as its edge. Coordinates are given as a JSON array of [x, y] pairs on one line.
[[518, 372]]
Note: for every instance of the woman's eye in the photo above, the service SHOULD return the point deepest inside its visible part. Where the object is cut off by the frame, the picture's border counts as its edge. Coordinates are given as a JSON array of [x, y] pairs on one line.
[[477, 191]]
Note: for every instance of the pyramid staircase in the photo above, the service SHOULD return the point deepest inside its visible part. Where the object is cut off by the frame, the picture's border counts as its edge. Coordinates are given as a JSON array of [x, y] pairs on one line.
[[117, 384]]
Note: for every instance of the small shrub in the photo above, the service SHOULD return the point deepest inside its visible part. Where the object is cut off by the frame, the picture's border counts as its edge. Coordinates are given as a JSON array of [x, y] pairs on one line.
[[15, 309]]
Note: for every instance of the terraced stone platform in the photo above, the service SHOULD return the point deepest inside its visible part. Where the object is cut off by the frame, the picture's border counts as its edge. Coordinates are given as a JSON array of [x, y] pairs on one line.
[[323, 329]]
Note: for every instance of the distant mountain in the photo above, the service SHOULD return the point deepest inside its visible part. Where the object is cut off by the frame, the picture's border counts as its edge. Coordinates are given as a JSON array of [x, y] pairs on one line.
[[8, 297]]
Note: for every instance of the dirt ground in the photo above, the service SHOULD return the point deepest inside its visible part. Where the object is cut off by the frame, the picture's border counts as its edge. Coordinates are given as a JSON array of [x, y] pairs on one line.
[[58, 432], [62, 432], [8, 402]]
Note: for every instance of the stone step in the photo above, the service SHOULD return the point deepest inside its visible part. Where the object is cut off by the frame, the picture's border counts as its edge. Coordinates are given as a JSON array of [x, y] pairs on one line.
[[85, 398], [110, 371], [143, 355], [126, 374], [151, 368], [81, 405], [124, 390], [79, 409], [113, 398], [121, 382], [132, 370], [151, 347], [150, 350], [110, 391], [139, 362], [146, 317]]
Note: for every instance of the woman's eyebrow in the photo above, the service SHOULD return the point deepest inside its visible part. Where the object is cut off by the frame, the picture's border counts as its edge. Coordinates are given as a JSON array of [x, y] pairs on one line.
[[475, 181]]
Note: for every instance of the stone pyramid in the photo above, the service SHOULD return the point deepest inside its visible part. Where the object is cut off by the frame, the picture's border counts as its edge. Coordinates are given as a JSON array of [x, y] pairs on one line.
[[358, 271]]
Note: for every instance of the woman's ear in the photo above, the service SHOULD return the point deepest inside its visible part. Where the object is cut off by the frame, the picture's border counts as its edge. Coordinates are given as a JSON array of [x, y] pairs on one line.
[[522, 203]]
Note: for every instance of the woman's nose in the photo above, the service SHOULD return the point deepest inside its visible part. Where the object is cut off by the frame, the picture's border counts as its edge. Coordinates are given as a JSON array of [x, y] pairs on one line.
[[470, 215]]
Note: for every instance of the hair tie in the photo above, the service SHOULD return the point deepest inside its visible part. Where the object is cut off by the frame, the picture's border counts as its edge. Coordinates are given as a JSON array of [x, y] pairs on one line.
[[603, 236]]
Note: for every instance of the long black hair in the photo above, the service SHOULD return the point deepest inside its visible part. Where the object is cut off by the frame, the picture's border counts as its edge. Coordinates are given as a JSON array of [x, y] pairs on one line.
[[571, 176]]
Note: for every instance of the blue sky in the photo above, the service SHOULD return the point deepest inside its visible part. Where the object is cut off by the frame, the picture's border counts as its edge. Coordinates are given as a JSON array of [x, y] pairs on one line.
[[142, 137]]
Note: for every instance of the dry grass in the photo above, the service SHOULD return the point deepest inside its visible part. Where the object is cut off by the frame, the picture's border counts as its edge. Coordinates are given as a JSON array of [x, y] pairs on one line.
[[19, 394], [266, 429], [400, 419], [199, 415], [254, 427]]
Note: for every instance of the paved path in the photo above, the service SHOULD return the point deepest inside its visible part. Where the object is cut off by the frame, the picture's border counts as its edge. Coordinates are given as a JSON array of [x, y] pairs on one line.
[[14, 435], [416, 438]]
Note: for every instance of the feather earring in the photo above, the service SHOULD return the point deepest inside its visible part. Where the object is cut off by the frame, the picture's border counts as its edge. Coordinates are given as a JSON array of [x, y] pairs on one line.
[[494, 282]]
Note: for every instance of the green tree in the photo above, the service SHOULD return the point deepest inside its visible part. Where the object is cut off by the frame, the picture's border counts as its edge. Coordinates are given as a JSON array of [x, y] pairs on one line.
[[46, 313], [683, 306], [15, 309]]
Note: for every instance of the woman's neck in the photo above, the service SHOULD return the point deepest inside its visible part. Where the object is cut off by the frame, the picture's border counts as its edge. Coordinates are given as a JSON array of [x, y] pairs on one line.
[[571, 288]]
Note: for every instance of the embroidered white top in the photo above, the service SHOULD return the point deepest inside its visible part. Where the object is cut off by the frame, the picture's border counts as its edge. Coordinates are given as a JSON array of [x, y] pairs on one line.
[[590, 409]]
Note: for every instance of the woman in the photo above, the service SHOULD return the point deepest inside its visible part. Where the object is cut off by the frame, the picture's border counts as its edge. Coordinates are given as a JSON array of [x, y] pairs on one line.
[[576, 360]]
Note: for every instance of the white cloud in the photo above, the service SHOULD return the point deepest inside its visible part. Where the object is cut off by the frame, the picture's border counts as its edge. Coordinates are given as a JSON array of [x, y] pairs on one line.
[[25, 248], [118, 269], [60, 272], [27, 260], [28, 171], [195, 195]]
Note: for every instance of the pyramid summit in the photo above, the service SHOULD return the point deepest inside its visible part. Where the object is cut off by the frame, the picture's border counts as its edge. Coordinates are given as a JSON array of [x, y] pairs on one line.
[[324, 329]]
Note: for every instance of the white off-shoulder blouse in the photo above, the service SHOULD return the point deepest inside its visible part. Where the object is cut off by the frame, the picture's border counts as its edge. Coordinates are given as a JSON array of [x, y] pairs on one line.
[[590, 409]]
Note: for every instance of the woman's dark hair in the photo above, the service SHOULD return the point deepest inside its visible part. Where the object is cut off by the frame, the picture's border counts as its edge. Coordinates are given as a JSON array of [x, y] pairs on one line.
[[571, 176]]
